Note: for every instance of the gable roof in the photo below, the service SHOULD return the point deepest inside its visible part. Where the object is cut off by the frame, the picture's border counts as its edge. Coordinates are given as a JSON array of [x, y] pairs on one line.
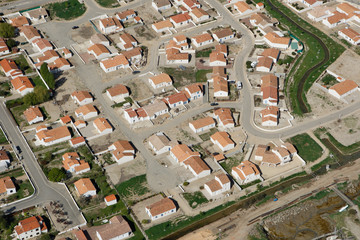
[[81, 95], [161, 78], [32, 112], [182, 17], [202, 122], [183, 152], [84, 185], [53, 134], [223, 138], [118, 60], [197, 164], [21, 83], [224, 33], [163, 24], [98, 49], [343, 87], [117, 90], [242, 6], [164, 205]]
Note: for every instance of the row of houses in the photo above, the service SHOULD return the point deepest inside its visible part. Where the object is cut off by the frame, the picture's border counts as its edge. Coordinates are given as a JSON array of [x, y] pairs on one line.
[[109, 25]]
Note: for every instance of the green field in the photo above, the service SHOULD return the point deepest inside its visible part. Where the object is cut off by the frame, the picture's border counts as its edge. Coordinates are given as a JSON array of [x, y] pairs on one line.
[[136, 186], [2, 137], [204, 53], [66, 10], [307, 148], [200, 75], [108, 3], [195, 199]]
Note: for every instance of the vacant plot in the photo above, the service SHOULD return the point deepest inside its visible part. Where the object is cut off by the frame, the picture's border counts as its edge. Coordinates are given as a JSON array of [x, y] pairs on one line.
[[307, 148], [200, 75], [231, 162], [23, 64], [195, 199], [5, 89], [204, 53], [66, 10], [328, 80], [108, 3], [134, 187], [181, 77]]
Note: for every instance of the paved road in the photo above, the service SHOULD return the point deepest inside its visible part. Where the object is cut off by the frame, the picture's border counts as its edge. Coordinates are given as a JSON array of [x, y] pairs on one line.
[[45, 191], [21, 5]]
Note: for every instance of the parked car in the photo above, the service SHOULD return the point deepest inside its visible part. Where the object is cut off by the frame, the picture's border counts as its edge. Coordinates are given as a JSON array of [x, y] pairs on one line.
[[239, 85], [75, 27], [214, 104]]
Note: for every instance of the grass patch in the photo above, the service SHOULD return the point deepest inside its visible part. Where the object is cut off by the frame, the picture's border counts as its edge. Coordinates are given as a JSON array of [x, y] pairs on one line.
[[250, 184], [344, 149], [37, 81], [108, 3], [286, 60], [320, 194], [181, 77], [15, 173], [136, 186], [329, 80], [23, 64], [18, 113], [195, 199], [265, 199], [229, 163], [2, 138], [206, 136], [326, 161], [204, 53], [5, 89], [314, 55], [66, 10], [200, 75], [308, 149], [25, 189]]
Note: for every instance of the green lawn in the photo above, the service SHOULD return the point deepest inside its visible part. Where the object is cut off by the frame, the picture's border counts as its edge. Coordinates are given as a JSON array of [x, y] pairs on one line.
[[37, 81], [136, 186], [25, 189], [181, 77], [206, 136], [23, 64], [307, 148], [66, 10], [204, 53], [329, 80], [108, 3], [18, 113], [2, 137], [344, 149], [314, 54], [195, 199], [231, 162], [326, 161], [200, 75], [18, 172]]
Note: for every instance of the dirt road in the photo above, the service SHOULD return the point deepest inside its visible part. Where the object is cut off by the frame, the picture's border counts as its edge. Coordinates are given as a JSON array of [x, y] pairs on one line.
[[241, 218]]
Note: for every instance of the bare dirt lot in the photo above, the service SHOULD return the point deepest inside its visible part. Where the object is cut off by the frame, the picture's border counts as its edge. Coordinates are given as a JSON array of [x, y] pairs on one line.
[[347, 66]]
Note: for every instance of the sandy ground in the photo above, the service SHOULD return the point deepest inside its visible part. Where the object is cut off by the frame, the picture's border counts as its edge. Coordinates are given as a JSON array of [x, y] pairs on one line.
[[347, 66]]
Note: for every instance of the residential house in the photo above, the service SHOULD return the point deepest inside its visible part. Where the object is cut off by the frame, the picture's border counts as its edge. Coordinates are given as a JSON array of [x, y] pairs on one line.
[[194, 91], [270, 116], [114, 63], [217, 59], [126, 15], [202, 124], [10, 68], [98, 38], [335, 19], [221, 88], [117, 228], [82, 97], [224, 117], [350, 35], [202, 40], [7, 187], [33, 115], [65, 119], [53, 136], [80, 124], [42, 44], [134, 55], [127, 42], [80, 234], [264, 64], [343, 89], [103, 126], [223, 141], [122, 151], [175, 51], [312, 3], [66, 53], [99, 51], [117, 93], [176, 100], [155, 109], [48, 56], [29, 33], [4, 160], [218, 72], [274, 40], [260, 6], [182, 152], [319, 13], [19, 21], [59, 65], [160, 81], [197, 166], [221, 48], [223, 35], [30, 227], [86, 112], [272, 53], [22, 85], [242, 7], [85, 187], [73, 164], [162, 26], [199, 15], [160, 143], [110, 200], [180, 20], [275, 156], [110, 25], [162, 208], [3, 47], [77, 141], [190, 4], [36, 15], [221, 183], [261, 21], [246, 172], [161, 5]]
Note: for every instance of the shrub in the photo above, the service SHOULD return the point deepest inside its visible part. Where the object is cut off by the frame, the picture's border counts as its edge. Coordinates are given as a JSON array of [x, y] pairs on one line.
[[186, 183]]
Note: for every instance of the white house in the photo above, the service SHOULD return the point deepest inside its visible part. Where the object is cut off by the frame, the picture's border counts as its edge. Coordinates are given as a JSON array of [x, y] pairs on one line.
[[197, 166], [30, 227], [7, 187], [199, 15], [350, 35], [160, 143], [176, 100], [270, 116], [110, 200], [221, 88], [86, 112], [118, 93], [162, 26], [33, 115], [246, 172], [216, 186], [4, 160], [224, 117], [223, 141], [117, 228], [202, 40], [3, 47], [160, 81], [343, 89], [223, 35], [194, 91], [99, 51], [127, 42], [202, 124], [122, 151], [242, 7], [312, 3], [82, 97], [110, 25], [85, 187], [335, 19], [160, 209], [103, 126], [180, 20], [53, 136], [217, 59], [22, 85], [42, 45], [264, 64], [275, 41], [114, 63], [161, 5]]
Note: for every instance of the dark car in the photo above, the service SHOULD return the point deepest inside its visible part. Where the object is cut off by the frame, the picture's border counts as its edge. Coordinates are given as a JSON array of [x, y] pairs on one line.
[[214, 104], [135, 72], [75, 27]]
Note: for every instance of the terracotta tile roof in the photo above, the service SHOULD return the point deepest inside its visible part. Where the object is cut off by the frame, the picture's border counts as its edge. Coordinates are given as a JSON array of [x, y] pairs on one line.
[[269, 80], [163, 24], [3, 155], [59, 63], [161, 78], [117, 226], [30, 32], [77, 140], [225, 115], [242, 6], [6, 183], [127, 38], [180, 38], [53, 134], [270, 110], [117, 90], [42, 43], [183, 17], [261, 149], [223, 178], [79, 122], [80, 235], [270, 157], [213, 185], [191, 3], [219, 157], [274, 38], [29, 224], [351, 33], [21, 83], [161, 206], [118, 60], [248, 168], [270, 92], [110, 22], [183, 152], [123, 145], [224, 33], [270, 52], [66, 119], [199, 12], [177, 55], [71, 156], [47, 55], [3, 46], [84, 185], [202, 122], [223, 138], [336, 17], [221, 48], [220, 85], [217, 56], [290, 147], [86, 109], [102, 124], [110, 198], [193, 88], [32, 112], [41, 127], [219, 71], [202, 38], [83, 165], [265, 62], [8, 64], [19, 21], [132, 53], [37, 13], [81, 95], [197, 164], [159, 141], [348, 8], [154, 108], [126, 13], [282, 151], [161, 3], [344, 87], [98, 49], [176, 98]]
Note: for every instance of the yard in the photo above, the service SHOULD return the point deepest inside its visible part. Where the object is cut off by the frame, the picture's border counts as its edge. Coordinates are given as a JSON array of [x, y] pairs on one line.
[[67, 10], [231, 162], [200, 75], [328, 80], [204, 53], [195, 199], [108, 3], [37, 81], [307, 148], [5, 89], [2, 138], [206, 136], [181, 77], [133, 188], [23, 64]]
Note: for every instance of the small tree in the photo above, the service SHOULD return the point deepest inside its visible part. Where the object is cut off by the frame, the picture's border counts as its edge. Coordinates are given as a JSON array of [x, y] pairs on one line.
[[56, 175], [11, 43], [47, 75], [6, 30], [42, 94]]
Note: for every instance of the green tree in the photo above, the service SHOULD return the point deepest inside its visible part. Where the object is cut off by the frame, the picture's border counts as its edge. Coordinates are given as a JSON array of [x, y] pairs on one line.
[[11, 43], [3, 221], [45, 237], [6, 30], [42, 94], [56, 175], [30, 99], [47, 75]]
